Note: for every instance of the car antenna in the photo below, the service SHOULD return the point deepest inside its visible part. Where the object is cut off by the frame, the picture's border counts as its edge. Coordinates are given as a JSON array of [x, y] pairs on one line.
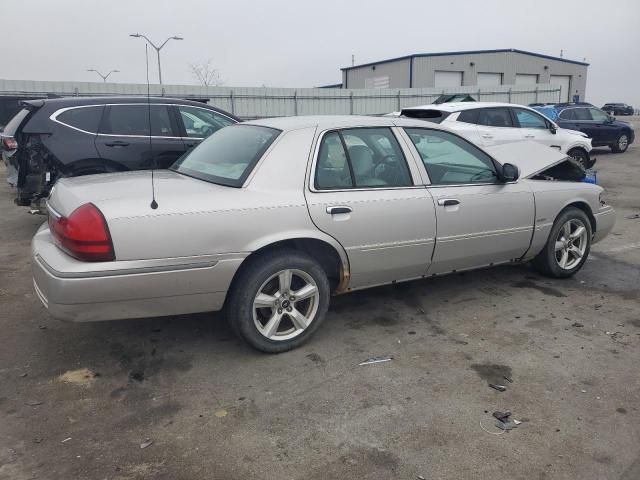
[[154, 204]]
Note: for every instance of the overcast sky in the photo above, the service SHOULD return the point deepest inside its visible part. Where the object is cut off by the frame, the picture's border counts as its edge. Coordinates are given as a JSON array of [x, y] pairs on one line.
[[288, 43]]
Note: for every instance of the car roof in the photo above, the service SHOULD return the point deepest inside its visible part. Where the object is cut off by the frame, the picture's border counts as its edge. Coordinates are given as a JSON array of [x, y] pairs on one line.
[[51, 104], [460, 106], [326, 122]]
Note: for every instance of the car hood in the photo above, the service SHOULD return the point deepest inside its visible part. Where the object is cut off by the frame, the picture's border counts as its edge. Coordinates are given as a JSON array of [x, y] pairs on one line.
[[531, 158], [130, 193]]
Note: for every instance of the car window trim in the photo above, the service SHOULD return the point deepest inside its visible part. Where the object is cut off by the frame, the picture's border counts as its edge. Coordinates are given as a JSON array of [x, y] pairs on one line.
[[316, 154], [54, 118]]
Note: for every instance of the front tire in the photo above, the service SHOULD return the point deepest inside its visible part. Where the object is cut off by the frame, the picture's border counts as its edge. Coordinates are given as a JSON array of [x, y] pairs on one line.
[[279, 300], [622, 143], [568, 245], [580, 156]]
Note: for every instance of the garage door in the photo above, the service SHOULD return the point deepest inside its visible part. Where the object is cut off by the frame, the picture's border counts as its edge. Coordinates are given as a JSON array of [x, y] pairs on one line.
[[564, 81], [526, 79], [489, 79], [448, 79]]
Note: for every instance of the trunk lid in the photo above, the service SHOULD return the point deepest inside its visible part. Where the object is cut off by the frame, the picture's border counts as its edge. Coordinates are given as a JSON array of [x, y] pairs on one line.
[[129, 194]]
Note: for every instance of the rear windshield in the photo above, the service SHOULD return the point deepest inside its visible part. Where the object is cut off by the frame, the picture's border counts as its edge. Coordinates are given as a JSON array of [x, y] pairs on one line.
[[435, 116], [228, 155], [11, 127]]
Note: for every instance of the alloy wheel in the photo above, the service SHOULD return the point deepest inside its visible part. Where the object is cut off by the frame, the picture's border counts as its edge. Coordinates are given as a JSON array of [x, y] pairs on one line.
[[571, 244], [286, 304], [623, 141]]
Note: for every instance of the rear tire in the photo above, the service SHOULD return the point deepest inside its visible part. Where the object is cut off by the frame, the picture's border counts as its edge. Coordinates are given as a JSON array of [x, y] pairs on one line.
[[579, 156], [622, 143], [278, 300], [568, 245]]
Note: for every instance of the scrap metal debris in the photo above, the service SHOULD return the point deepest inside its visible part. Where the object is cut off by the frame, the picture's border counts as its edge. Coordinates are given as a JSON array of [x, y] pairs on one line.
[[372, 360], [66, 440], [82, 376], [577, 325], [500, 388], [33, 403], [504, 421], [221, 413], [146, 443]]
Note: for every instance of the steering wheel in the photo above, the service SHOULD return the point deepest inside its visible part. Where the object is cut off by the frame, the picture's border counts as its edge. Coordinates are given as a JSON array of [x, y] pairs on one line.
[[206, 130], [388, 167]]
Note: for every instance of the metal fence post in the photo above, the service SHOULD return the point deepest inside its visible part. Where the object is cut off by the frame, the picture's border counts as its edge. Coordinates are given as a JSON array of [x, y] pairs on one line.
[[295, 102], [479, 92], [351, 103], [536, 94], [399, 107], [233, 108], [509, 94]]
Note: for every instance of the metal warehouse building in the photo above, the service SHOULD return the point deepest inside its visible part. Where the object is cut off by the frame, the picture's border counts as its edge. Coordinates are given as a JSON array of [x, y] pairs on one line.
[[480, 68]]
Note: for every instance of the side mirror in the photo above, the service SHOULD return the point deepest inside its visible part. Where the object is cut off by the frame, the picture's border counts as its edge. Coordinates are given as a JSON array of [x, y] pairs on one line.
[[510, 172], [611, 119], [552, 128]]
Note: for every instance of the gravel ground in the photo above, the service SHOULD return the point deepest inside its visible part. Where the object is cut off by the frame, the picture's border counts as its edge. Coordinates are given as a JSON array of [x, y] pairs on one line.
[[81, 400]]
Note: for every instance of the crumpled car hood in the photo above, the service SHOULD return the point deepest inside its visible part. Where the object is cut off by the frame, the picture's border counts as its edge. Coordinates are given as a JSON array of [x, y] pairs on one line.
[[530, 157]]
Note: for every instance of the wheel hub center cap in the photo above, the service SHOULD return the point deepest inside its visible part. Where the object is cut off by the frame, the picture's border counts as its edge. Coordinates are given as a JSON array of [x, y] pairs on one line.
[[286, 304]]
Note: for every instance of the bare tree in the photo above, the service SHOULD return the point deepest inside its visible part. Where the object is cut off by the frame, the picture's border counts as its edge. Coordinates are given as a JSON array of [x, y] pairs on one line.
[[206, 74]]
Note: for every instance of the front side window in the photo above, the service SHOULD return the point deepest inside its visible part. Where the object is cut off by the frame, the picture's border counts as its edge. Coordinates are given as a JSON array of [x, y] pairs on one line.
[[361, 158], [568, 114], [495, 117], [138, 120], [528, 119], [451, 160], [200, 122], [598, 115], [83, 118], [228, 156]]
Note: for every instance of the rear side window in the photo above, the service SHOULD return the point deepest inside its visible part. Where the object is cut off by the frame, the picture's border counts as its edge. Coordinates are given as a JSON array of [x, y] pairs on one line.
[[82, 118], [134, 120], [495, 117], [576, 114], [361, 158], [11, 128], [469, 116], [598, 115]]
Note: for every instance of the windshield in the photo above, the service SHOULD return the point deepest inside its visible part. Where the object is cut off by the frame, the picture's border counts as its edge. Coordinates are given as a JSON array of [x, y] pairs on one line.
[[227, 156], [11, 127]]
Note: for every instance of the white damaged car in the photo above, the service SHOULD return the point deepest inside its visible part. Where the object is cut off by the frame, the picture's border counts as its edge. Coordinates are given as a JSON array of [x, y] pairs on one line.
[[490, 123], [267, 219]]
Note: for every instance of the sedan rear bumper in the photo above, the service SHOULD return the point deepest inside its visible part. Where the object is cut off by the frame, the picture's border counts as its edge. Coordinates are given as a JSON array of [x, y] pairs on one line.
[[125, 289]]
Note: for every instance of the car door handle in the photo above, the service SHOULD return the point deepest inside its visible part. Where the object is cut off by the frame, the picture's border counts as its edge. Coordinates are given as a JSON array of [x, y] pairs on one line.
[[117, 143], [339, 209], [448, 202], [486, 135], [529, 136]]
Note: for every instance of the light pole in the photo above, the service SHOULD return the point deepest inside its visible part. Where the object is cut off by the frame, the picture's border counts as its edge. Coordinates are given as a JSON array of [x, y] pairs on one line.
[[138, 35], [104, 77]]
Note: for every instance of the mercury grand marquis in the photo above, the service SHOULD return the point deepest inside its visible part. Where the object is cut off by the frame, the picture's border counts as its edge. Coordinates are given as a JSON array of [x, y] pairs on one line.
[[267, 219]]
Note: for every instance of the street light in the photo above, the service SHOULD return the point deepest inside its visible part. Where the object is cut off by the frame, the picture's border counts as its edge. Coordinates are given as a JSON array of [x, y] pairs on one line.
[[138, 35], [104, 77]]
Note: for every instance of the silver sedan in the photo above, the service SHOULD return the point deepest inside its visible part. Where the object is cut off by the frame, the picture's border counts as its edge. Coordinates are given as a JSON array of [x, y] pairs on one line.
[[267, 219]]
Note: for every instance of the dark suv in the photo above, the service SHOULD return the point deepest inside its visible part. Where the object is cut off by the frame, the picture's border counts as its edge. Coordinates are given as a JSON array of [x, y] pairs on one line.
[[604, 130], [618, 109], [67, 137]]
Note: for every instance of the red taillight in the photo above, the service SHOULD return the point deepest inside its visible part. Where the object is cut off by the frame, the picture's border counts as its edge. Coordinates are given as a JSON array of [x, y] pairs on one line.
[[84, 234], [9, 143]]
